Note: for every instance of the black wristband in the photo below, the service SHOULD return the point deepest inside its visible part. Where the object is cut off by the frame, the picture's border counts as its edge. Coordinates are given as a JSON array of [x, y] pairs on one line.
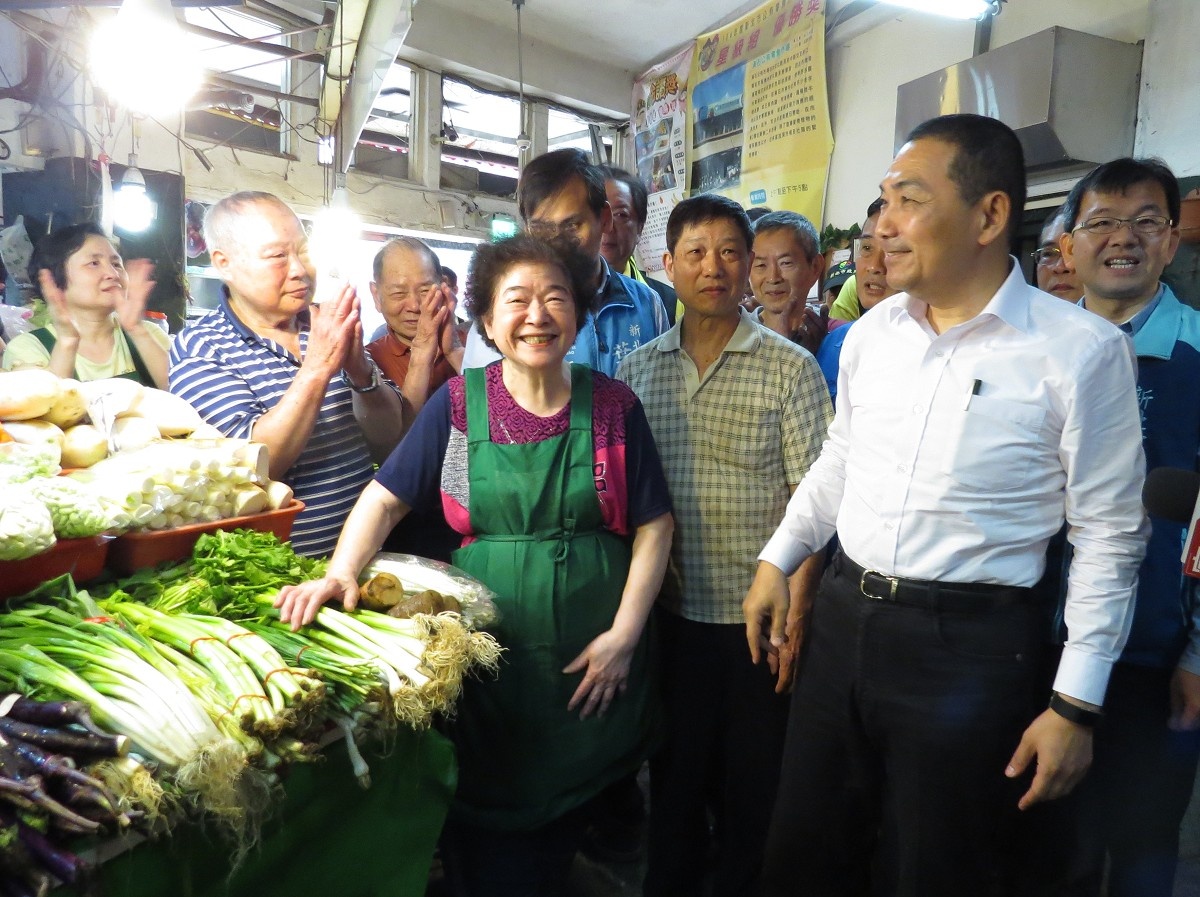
[[1073, 712]]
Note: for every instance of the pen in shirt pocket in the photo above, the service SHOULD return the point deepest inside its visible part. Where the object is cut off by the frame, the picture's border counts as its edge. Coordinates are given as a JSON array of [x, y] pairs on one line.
[[975, 385]]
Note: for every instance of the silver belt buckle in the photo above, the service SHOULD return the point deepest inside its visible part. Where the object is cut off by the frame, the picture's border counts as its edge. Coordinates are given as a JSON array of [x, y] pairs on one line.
[[892, 581]]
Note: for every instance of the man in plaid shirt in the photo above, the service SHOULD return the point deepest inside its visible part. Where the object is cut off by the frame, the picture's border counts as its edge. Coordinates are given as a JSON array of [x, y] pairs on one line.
[[739, 413]]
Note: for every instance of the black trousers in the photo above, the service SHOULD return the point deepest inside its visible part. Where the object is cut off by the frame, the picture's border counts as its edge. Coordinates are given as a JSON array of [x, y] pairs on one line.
[[484, 862], [1130, 806], [720, 760], [902, 723]]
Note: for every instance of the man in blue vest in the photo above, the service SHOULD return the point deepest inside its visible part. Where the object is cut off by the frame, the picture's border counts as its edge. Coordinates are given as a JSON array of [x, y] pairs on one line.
[[1121, 226]]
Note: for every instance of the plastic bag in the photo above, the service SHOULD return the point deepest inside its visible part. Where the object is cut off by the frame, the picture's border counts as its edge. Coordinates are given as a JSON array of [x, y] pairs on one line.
[[15, 320], [416, 574], [26, 527], [20, 462], [16, 251]]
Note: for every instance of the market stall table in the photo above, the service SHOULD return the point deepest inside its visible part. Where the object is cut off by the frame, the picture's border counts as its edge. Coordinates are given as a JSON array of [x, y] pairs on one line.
[[327, 836]]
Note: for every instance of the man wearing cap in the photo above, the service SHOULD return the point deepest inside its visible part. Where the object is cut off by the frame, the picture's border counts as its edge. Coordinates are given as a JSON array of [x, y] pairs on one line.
[[974, 414], [835, 278]]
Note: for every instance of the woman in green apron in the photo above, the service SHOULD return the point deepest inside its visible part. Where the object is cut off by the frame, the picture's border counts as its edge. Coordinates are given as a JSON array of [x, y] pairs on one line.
[[96, 307], [548, 469]]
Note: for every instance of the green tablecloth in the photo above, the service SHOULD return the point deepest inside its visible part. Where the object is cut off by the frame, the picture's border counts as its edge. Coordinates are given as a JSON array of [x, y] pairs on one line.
[[329, 837]]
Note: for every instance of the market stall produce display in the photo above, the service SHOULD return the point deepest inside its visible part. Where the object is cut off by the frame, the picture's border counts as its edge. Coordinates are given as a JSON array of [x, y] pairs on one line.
[[43, 793], [138, 460], [190, 666]]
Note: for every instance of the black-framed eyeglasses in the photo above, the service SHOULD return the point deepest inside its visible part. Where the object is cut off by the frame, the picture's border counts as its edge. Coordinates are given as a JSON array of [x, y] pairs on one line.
[[1142, 225], [1047, 256]]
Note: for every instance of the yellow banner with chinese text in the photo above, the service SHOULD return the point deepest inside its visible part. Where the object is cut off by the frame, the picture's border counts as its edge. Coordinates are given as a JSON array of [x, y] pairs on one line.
[[758, 114]]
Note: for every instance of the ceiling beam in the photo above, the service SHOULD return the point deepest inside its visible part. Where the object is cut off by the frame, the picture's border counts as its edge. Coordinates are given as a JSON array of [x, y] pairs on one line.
[[349, 92], [261, 46], [217, 80]]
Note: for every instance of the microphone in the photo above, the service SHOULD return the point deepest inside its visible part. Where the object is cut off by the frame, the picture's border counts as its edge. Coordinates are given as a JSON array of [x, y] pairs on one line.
[[1171, 493]]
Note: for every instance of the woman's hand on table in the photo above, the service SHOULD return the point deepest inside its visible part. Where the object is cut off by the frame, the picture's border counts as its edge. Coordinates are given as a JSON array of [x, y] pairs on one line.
[[131, 305], [299, 604], [606, 660]]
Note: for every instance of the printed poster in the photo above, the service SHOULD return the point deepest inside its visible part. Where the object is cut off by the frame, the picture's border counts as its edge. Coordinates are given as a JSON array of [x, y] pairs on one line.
[[659, 125], [758, 114]]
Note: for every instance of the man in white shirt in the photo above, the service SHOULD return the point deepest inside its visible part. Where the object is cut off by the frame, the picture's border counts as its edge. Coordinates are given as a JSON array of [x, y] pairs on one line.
[[974, 413]]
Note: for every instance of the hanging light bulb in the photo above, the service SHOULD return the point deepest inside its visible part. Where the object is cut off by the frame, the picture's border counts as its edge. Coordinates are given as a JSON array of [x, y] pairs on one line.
[[143, 60], [331, 245], [133, 209]]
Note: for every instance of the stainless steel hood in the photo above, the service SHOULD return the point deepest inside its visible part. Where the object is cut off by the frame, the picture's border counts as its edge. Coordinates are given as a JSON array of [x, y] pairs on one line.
[[1071, 97]]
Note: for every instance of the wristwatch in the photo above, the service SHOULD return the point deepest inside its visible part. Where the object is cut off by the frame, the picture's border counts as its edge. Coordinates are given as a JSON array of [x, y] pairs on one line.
[[370, 387]]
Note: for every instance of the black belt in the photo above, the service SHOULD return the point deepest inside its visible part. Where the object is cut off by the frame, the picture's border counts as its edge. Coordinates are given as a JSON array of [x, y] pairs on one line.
[[950, 596]]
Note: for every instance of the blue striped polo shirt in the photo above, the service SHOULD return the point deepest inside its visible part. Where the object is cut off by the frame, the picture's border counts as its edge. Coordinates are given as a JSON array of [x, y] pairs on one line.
[[232, 377]]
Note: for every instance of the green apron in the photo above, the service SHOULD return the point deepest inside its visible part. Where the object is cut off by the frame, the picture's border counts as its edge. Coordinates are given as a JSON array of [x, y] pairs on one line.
[[140, 372], [524, 760]]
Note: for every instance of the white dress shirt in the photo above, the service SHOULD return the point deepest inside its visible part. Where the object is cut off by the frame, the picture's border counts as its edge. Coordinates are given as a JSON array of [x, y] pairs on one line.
[[955, 457]]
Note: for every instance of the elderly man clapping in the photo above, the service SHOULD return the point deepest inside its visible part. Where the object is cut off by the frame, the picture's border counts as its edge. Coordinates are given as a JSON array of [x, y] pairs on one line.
[[269, 365]]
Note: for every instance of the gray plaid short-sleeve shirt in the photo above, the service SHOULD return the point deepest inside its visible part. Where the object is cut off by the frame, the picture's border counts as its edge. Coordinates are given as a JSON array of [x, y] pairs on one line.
[[731, 445]]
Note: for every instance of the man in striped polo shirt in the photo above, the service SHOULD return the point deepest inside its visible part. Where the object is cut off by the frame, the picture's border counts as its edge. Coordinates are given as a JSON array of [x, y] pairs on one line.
[[269, 365]]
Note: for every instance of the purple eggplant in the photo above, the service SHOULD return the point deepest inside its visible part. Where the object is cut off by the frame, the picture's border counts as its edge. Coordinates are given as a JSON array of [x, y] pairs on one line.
[[48, 713], [65, 741]]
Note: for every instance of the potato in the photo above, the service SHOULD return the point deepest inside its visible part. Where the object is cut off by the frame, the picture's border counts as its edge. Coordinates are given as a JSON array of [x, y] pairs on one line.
[[83, 445], [381, 592], [427, 602], [69, 408], [27, 394]]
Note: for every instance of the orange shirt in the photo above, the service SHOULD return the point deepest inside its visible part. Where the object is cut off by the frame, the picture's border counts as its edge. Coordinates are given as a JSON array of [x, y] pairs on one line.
[[393, 358]]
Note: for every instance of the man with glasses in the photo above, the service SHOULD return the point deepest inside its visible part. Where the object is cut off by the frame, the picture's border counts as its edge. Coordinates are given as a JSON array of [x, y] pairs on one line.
[[628, 200], [1054, 275], [1122, 222], [561, 199], [419, 350]]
